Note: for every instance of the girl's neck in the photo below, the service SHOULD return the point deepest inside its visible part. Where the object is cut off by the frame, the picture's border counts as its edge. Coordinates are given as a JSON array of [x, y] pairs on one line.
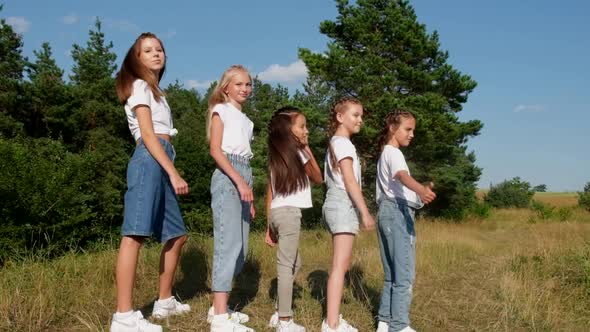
[[341, 131], [235, 104], [393, 142]]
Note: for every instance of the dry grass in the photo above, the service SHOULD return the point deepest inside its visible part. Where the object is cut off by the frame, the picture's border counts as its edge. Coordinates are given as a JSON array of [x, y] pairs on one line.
[[501, 274]]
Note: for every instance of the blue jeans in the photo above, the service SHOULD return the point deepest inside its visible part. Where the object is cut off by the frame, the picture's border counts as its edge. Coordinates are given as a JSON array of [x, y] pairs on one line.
[[151, 205], [397, 243], [231, 225]]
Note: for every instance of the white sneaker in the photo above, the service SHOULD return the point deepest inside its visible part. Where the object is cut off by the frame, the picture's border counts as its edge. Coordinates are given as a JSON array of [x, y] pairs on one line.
[[169, 307], [382, 327], [407, 329], [223, 323], [274, 320], [343, 326], [289, 326], [134, 322], [236, 316]]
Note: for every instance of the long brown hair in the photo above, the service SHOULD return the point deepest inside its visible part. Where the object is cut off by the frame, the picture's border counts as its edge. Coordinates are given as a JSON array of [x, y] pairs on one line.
[[392, 121], [286, 170], [340, 106], [132, 69], [218, 95]]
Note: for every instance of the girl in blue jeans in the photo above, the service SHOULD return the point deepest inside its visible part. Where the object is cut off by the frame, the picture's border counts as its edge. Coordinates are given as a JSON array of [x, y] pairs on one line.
[[229, 131], [151, 205], [398, 196]]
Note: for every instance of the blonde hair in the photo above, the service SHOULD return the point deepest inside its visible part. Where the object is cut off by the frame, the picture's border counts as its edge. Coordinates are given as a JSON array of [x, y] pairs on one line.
[[339, 106], [218, 95]]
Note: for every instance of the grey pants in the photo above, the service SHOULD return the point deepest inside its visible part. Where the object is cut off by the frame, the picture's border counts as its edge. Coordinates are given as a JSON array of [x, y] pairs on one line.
[[285, 221]]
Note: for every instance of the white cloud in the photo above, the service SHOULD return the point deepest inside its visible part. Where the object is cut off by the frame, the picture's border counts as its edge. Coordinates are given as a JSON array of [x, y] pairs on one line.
[[293, 72], [169, 34], [18, 23], [70, 19], [529, 108], [194, 84], [122, 25]]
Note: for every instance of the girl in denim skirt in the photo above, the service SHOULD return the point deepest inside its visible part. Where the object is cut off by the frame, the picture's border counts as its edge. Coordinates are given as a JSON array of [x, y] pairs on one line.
[[229, 132], [151, 205], [344, 202], [291, 166], [398, 196]]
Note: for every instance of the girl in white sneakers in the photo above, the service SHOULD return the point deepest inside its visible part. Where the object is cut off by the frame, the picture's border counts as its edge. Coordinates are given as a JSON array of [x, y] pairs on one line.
[[291, 166], [151, 206]]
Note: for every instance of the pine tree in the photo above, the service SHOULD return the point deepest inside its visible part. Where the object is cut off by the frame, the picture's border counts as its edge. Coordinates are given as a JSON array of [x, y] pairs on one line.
[[380, 53]]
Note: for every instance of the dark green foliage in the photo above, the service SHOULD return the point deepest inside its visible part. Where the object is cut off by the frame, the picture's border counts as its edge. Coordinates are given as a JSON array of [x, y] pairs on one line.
[[51, 197], [510, 193], [584, 197], [542, 210], [379, 53], [540, 188]]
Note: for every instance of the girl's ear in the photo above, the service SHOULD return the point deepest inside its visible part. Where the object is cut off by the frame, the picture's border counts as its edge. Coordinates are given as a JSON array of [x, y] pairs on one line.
[[339, 117]]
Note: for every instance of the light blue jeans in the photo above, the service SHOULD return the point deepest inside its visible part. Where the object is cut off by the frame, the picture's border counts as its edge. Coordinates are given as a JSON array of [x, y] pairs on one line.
[[231, 225], [397, 242]]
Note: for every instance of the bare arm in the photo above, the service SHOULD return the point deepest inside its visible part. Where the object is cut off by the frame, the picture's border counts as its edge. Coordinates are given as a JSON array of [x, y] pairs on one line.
[[425, 192], [312, 169], [223, 163], [150, 140], [355, 192], [270, 237]]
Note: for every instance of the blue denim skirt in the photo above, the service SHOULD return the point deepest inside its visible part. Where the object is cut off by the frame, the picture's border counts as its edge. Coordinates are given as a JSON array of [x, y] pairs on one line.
[[151, 205]]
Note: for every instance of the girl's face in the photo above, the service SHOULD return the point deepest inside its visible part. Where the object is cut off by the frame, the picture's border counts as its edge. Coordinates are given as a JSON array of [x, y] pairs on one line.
[[299, 129], [239, 88], [352, 118], [402, 136], [151, 55]]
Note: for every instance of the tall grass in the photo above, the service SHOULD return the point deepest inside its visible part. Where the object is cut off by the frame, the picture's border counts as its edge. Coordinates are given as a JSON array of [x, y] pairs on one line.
[[500, 274]]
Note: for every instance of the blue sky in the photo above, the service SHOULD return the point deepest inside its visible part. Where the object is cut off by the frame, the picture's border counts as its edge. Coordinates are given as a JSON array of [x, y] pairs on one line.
[[528, 57]]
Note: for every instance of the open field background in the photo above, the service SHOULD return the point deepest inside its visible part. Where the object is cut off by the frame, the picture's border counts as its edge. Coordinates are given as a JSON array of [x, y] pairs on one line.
[[504, 273]]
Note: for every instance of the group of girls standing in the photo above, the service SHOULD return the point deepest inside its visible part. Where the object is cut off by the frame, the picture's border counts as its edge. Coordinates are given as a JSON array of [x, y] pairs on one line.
[[152, 209]]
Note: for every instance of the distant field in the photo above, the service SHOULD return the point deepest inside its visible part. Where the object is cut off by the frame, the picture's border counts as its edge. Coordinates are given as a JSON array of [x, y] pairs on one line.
[[557, 199], [505, 273]]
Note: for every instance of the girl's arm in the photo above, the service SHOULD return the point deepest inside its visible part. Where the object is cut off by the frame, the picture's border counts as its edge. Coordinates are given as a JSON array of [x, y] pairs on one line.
[[150, 140], [215, 151], [425, 192], [312, 169], [270, 237], [354, 190]]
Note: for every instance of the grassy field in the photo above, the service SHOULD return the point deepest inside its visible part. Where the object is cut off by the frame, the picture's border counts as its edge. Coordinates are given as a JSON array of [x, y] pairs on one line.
[[504, 273]]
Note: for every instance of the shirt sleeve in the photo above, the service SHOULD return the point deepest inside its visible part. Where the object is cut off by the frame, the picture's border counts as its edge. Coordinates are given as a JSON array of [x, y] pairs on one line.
[[343, 148], [396, 161], [220, 110], [303, 156], [140, 95]]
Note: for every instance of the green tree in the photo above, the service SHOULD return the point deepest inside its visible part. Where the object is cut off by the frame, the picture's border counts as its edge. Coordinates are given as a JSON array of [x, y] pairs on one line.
[[379, 53], [96, 61], [584, 197], [12, 64], [47, 95], [510, 193], [540, 188]]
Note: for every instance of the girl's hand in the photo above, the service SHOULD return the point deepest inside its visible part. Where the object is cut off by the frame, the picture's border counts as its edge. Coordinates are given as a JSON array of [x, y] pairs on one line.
[[252, 211], [427, 194], [180, 186], [368, 221], [245, 191], [270, 238]]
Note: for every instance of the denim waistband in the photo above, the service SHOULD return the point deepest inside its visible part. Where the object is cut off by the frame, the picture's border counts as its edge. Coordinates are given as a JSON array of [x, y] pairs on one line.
[[402, 202], [237, 159]]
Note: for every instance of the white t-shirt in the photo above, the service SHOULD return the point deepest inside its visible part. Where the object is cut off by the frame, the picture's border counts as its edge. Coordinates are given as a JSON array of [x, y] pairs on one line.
[[141, 94], [390, 162], [300, 199], [343, 148], [237, 130]]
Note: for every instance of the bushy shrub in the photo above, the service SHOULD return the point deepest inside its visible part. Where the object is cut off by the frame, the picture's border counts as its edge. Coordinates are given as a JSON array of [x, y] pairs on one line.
[[542, 210], [510, 193], [584, 197]]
